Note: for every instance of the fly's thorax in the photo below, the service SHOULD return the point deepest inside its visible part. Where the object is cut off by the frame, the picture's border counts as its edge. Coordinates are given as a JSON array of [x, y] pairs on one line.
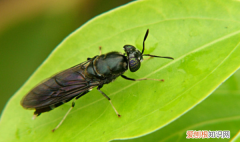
[[89, 71], [110, 64]]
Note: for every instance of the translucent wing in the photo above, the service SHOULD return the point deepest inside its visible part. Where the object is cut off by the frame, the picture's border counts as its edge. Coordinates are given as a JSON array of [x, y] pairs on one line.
[[59, 89]]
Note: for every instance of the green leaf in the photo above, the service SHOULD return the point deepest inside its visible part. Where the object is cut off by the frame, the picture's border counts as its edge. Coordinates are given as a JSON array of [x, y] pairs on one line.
[[220, 111], [236, 137], [203, 37]]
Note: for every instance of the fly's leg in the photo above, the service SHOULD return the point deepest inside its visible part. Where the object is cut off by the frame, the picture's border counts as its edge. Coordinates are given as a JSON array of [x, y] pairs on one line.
[[73, 104], [127, 78], [100, 50], [60, 123], [108, 100]]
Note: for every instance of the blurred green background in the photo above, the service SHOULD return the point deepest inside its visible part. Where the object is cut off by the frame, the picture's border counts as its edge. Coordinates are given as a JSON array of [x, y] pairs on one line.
[[30, 30]]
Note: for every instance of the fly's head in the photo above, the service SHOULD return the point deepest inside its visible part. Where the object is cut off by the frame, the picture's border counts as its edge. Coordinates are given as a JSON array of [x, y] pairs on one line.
[[135, 57]]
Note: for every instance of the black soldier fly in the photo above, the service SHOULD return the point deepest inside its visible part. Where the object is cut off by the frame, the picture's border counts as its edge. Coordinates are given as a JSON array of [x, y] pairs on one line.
[[78, 80]]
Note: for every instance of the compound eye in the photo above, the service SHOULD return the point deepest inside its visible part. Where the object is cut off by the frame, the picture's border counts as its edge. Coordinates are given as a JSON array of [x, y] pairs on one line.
[[134, 64], [129, 48]]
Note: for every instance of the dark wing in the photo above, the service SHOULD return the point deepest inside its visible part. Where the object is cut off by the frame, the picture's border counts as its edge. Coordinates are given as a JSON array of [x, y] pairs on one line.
[[58, 89]]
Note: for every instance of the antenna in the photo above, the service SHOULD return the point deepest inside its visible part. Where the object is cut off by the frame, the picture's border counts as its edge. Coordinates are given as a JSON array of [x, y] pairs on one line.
[[158, 56], [145, 37]]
